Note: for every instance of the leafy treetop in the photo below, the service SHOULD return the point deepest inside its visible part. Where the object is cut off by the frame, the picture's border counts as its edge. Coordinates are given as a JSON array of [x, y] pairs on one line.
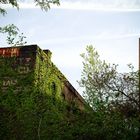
[[44, 4]]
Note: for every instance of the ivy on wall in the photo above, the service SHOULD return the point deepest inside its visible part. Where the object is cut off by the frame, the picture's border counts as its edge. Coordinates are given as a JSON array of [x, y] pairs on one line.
[[31, 103], [46, 74], [32, 106]]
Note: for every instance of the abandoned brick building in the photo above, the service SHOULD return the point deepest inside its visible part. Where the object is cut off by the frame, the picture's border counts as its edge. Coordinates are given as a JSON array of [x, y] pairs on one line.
[[17, 63]]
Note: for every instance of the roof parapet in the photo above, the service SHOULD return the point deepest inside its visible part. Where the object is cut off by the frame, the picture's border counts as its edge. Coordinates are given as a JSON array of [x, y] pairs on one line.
[[49, 53]]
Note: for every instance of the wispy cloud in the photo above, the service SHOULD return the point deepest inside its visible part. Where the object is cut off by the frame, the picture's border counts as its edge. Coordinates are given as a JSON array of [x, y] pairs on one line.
[[101, 36], [107, 36]]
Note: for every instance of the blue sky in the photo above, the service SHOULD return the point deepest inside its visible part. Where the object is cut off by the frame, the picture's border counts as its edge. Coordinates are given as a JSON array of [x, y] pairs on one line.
[[111, 26]]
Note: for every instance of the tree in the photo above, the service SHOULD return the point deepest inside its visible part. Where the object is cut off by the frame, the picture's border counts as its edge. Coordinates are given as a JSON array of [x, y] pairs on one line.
[[44, 4], [103, 84], [14, 37], [109, 92]]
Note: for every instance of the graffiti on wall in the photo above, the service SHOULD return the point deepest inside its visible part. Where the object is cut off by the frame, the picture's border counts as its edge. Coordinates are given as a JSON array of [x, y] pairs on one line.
[[20, 64], [8, 82], [9, 52], [23, 69]]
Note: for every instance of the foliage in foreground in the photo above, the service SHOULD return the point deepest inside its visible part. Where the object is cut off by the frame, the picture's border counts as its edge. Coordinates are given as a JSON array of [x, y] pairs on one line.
[[39, 112], [14, 37], [43, 4], [31, 101], [112, 95]]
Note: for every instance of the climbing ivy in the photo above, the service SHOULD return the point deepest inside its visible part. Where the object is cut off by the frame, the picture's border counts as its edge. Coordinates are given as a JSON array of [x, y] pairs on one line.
[[31, 104], [47, 74]]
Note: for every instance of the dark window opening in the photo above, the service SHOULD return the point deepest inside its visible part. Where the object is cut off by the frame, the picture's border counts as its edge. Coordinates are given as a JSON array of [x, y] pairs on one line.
[[53, 88], [63, 95], [53, 91]]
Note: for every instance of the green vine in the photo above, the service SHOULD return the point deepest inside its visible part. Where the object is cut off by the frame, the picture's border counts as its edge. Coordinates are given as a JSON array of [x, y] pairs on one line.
[[31, 99], [32, 106]]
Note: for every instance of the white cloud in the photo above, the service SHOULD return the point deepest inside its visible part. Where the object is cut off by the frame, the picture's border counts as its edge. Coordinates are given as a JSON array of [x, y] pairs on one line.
[[108, 3], [99, 5], [101, 36], [107, 35]]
